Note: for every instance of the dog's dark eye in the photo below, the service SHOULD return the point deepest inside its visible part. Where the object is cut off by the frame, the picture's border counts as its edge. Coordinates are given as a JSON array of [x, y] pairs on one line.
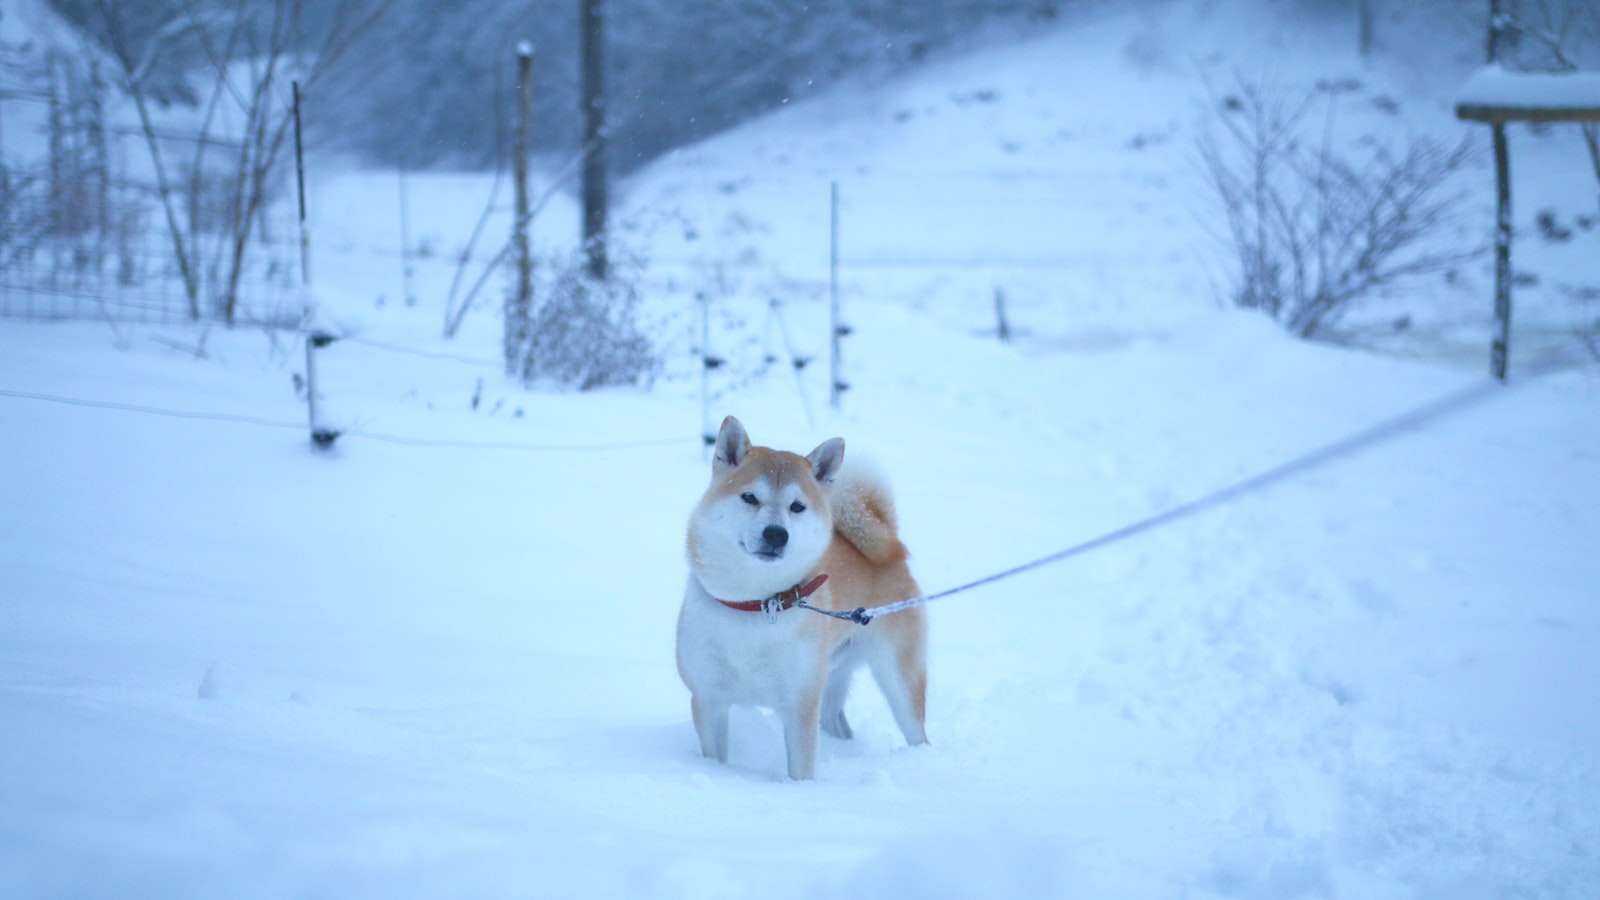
[[797, 507], [749, 498]]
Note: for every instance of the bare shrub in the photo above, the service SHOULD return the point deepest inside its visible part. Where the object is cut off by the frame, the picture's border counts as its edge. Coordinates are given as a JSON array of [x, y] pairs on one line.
[[1312, 226], [586, 334], [252, 51]]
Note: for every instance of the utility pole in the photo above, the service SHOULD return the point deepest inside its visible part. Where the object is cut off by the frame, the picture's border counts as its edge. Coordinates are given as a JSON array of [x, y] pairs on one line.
[[592, 27]]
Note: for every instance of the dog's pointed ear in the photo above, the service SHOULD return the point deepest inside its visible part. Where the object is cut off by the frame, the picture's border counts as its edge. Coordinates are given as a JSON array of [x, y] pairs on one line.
[[826, 459], [732, 445]]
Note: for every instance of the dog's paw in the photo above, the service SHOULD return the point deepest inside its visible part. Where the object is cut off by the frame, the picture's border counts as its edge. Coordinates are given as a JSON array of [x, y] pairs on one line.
[[837, 726]]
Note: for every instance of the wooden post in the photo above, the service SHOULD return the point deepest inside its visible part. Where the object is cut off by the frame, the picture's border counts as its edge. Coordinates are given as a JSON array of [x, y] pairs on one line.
[[1498, 20], [592, 27], [300, 187], [1539, 97], [1499, 350], [519, 311], [1500, 345], [1002, 328]]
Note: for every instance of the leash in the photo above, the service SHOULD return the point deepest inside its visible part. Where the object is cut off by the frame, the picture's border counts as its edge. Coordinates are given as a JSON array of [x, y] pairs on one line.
[[1376, 434]]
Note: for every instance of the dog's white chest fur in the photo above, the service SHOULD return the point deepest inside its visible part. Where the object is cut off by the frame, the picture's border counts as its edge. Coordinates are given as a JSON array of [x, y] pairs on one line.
[[741, 657]]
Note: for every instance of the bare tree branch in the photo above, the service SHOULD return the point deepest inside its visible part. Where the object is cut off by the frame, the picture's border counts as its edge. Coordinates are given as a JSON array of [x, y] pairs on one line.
[[1312, 229]]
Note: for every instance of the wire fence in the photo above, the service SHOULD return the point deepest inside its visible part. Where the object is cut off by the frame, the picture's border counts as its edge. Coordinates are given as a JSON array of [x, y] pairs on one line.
[[105, 222], [96, 250], [1383, 432], [360, 433]]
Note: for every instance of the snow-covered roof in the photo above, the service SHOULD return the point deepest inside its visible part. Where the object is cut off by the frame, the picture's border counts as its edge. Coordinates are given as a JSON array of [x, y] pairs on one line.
[[1493, 94]]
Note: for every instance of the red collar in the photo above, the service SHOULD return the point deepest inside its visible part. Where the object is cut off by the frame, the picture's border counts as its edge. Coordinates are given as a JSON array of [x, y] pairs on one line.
[[779, 601]]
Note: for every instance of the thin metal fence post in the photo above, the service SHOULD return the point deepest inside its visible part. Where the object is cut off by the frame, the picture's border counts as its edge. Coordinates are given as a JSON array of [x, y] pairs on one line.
[[836, 329], [1002, 328], [405, 239], [300, 186], [322, 437], [796, 361], [707, 363]]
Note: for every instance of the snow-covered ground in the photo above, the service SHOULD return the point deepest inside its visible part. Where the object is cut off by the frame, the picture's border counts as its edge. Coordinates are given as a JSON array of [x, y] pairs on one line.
[[231, 666]]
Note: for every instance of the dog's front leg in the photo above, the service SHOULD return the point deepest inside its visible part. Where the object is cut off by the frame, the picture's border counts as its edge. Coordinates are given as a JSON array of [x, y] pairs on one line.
[[711, 723], [800, 724]]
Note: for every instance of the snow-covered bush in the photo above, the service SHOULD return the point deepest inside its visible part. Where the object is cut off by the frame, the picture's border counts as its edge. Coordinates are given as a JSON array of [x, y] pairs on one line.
[[585, 333], [1315, 224]]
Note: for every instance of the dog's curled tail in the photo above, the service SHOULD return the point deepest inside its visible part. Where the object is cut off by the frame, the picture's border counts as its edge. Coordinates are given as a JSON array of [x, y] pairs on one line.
[[863, 511]]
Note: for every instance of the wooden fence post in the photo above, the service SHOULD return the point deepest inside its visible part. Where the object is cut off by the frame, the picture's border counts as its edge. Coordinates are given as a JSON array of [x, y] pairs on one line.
[[595, 193], [519, 311], [1500, 348], [1498, 97]]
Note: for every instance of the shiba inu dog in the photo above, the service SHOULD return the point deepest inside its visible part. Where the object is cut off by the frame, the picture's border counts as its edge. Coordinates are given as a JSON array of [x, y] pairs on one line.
[[775, 527]]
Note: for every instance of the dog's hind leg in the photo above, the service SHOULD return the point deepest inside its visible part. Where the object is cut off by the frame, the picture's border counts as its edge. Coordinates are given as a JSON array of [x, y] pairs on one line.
[[902, 675], [841, 668], [711, 723]]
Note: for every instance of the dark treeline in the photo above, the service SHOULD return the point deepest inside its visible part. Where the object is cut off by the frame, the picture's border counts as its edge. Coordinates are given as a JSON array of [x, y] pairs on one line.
[[430, 82]]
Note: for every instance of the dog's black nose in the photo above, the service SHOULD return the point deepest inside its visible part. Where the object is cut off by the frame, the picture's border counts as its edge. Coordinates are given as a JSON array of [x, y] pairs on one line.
[[775, 536]]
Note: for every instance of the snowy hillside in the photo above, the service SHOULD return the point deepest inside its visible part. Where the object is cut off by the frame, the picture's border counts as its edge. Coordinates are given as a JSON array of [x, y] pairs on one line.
[[438, 660]]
